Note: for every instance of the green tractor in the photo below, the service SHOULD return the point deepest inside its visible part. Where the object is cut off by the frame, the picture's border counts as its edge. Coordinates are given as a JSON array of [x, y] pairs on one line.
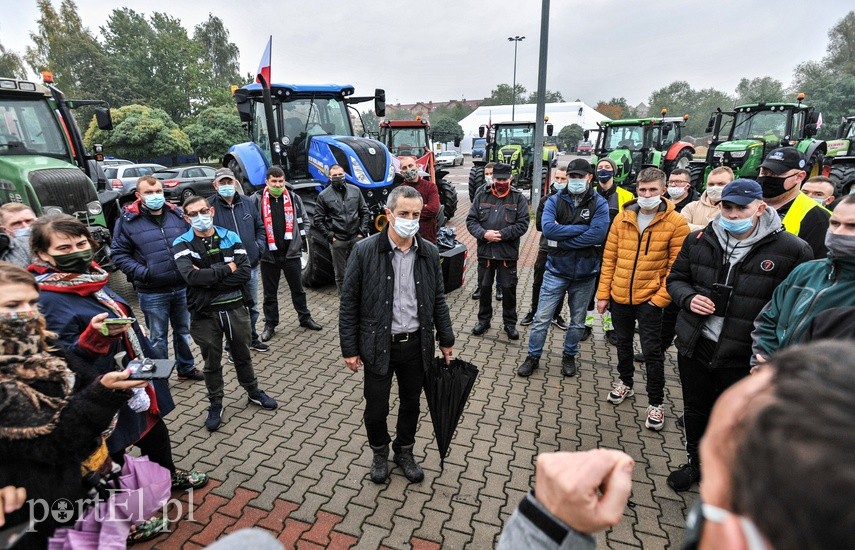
[[511, 143], [840, 160], [637, 143], [743, 137]]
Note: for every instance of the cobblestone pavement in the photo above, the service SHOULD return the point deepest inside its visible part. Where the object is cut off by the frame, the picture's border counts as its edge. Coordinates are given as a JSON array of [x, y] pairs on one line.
[[301, 471]]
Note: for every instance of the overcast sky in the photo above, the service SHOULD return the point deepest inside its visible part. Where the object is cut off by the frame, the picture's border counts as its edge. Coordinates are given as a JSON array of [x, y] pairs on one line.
[[451, 49]]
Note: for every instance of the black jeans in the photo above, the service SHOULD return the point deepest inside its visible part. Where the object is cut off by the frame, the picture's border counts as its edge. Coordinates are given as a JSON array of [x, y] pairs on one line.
[[405, 361], [270, 276], [155, 445], [702, 386], [539, 270], [340, 252], [669, 324], [208, 330], [650, 333], [505, 274], [481, 276]]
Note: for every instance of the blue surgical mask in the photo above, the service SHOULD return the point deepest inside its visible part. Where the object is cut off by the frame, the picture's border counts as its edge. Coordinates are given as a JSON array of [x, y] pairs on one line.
[[604, 175], [577, 186], [202, 222], [406, 228], [22, 233], [559, 186], [226, 191], [736, 227], [154, 202]]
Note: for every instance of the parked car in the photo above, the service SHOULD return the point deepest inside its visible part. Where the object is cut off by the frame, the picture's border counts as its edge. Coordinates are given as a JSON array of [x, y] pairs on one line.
[[585, 148], [449, 158], [111, 161], [123, 177], [179, 184]]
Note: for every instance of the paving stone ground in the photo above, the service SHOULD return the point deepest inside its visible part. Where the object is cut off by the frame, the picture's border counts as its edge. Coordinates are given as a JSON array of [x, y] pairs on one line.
[[301, 472]]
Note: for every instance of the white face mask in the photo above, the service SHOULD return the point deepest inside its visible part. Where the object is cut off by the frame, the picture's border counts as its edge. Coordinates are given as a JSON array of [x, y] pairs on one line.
[[405, 228], [676, 192], [714, 193], [488, 180], [649, 203]]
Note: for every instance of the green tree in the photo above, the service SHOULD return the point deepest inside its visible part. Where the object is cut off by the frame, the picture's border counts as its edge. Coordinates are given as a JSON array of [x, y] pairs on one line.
[[398, 114], [570, 136], [127, 36], [214, 130], [11, 64], [444, 129], [175, 60], [370, 122], [139, 132], [679, 98], [765, 89], [551, 97], [616, 108], [219, 62], [841, 46], [503, 94], [456, 110]]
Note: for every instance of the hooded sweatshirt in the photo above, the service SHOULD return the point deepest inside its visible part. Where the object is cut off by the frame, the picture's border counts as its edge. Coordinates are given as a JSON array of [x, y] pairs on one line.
[[700, 213]]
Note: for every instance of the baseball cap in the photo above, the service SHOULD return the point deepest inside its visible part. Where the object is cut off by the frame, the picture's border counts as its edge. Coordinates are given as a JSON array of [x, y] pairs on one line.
[[502, 171], [223, 173], [784, 159], [742, 191], [579, 166]]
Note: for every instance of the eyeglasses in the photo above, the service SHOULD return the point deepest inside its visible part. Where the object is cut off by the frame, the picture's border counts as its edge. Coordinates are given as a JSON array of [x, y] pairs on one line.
[[203, 212], [678, 182]]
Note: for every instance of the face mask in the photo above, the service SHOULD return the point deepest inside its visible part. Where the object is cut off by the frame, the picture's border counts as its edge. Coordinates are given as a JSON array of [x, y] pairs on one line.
[[736, 227], [714, 193], [648, 203], [841, 246], [488, 180], [202, 222], [558, 187], [406, 228], [604, 175], [226, 191], [276, 191], [577, 186], [154, 202], [676, 192], [22, 233], [75, 262], [820, 202], [411, 174], [337, 182], [773, 186], [501, 188]]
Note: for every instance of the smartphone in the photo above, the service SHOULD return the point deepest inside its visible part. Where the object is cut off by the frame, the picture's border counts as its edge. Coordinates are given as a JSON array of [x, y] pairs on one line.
[[118, 320], [720, 297], [11, 535], [151, 369]]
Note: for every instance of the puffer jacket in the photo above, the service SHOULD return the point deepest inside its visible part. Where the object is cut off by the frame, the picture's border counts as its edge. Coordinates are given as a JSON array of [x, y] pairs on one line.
[[341, 215], [508, 215], [702, 263], [700, 213], [810, 289], [635, 266], [365, 310], [141, 247], [242, 217]]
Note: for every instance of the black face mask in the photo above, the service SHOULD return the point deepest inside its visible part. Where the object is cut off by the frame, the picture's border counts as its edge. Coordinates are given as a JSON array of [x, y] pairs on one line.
[[75, 262], [773, 186], [338, 182]]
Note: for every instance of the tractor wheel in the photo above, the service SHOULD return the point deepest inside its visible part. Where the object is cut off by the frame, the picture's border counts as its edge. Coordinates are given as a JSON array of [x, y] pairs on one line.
[[697, 170], [682, 161], [476, 180], [843, 176], [814, 166], [247, 188], [316, 260], [448, 198]]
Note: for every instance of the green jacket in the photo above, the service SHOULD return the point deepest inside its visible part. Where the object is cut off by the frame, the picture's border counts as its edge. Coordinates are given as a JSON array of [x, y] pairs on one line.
[[810, 289]]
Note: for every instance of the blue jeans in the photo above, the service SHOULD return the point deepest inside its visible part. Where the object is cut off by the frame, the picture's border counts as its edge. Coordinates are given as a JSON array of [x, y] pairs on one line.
[[553, 289], [160, 309]]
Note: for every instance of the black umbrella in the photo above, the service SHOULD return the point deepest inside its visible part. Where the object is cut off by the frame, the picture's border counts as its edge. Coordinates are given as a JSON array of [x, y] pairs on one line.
[[447, 388]]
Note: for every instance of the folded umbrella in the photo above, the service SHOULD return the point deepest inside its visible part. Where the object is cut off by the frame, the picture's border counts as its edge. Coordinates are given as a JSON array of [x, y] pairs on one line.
[[447, 388]]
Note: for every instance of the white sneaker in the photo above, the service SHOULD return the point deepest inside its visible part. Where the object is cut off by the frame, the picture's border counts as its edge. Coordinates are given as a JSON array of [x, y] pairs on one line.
[[655, 417], [620, 391]]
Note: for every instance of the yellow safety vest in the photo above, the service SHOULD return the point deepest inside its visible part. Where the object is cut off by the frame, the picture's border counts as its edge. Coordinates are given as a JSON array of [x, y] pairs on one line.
[[798, 210], [624, 196]]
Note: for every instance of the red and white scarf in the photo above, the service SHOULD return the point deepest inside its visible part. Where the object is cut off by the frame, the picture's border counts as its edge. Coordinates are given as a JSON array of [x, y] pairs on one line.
[[288, 206]]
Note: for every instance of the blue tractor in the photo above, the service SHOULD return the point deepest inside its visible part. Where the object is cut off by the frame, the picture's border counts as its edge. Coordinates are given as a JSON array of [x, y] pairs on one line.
[[305, 130]]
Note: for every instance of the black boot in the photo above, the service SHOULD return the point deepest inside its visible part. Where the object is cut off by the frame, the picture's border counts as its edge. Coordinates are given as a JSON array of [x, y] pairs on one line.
[[531, 362], [380, 464], [568, 365], [405, 459]]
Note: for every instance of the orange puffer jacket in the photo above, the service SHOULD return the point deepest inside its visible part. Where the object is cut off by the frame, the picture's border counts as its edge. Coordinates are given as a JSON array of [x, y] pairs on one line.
[[635, 266]]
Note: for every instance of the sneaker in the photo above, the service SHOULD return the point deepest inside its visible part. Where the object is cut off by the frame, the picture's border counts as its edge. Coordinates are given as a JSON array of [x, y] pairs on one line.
[[531, 362], [183, 479], [194, 374], [528, 319], [638, 358], [684, 477], [681, 421], [655, 417], [568, 365], [405, 459], [611, 337], [586, 334], [620, 391], [147, 530], [229, 358], [215, 418], [260, 398], [258, 345], [559, 322]]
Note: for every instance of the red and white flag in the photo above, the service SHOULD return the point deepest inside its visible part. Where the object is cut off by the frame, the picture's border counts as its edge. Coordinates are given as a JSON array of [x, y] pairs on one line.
[[264, 65], [819, 122]]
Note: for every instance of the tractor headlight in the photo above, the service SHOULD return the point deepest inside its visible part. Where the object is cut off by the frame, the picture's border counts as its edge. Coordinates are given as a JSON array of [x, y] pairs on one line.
[[52, 210], [94, 208], [391, 175], [718, 154], [358, 172], [737, 154]]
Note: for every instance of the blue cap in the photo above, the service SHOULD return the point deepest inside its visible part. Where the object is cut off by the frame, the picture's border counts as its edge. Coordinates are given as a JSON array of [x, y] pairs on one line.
[[742, 191]]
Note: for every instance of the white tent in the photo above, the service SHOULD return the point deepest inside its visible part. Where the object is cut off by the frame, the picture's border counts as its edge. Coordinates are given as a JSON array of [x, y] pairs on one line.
[[560, 115]]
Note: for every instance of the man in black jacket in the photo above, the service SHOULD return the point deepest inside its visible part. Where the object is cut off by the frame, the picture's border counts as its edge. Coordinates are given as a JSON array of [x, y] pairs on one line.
[[722, 278], [342, 217], [237, 213], [497, 219], [391, 301]]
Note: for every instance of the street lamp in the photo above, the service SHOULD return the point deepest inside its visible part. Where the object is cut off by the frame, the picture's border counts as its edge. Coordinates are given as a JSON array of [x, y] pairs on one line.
[[515, 40]]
